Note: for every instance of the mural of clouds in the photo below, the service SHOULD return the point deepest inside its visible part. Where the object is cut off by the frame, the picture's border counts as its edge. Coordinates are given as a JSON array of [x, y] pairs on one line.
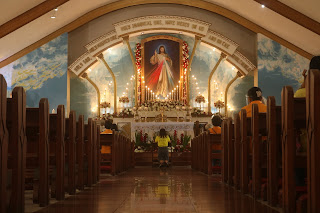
[[278, 66], [42, 73]]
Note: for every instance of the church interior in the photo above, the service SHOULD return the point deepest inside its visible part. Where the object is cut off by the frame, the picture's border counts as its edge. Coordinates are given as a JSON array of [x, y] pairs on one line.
[[160, 106]]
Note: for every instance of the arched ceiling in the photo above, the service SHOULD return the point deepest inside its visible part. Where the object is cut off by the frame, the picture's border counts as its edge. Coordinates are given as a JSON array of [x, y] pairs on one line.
[[22, 38]]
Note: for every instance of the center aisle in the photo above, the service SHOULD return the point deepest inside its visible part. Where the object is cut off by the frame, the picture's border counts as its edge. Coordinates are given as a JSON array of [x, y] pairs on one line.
[[146, 189]]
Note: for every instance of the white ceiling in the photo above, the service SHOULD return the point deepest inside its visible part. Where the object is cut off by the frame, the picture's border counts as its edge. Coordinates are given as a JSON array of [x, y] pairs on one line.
[[12, 8], [73, 9]]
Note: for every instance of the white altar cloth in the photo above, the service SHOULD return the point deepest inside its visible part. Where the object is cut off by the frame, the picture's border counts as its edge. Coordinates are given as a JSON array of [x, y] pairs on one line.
[[151, 127], [169, 114]]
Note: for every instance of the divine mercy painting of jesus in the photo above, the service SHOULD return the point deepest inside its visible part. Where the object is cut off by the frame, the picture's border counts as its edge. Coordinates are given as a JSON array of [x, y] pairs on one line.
[[162, 65]]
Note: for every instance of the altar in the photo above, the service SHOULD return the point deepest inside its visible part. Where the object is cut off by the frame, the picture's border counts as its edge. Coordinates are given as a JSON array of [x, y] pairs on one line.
[[151, 127]]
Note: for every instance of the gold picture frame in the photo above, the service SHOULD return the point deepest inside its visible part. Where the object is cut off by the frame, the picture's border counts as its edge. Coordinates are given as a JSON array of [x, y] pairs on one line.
[[157, 37]]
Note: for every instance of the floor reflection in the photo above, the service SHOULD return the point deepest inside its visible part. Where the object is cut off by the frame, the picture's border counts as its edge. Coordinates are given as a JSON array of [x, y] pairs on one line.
[[144, 189]]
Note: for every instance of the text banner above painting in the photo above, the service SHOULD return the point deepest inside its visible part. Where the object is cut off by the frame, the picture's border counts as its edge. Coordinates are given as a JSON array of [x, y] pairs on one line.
[[215, 39], [177, 23]]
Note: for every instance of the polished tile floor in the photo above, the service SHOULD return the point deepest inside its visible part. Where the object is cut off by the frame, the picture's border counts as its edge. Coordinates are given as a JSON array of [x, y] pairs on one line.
[[145, 189]]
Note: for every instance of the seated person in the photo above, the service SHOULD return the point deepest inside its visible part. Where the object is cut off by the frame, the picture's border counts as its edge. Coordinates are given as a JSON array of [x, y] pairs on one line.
[[254, 96], [314, 64], [216, 122], [109, 127]]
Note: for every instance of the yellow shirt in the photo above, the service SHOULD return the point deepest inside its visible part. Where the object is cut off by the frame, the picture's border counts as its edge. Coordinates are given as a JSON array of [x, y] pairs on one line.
[[162, 142], [300, 93], [262, 108]]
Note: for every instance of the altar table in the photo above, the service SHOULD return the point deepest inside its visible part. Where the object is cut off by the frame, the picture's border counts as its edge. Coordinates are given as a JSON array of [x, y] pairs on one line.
[[150, 127]]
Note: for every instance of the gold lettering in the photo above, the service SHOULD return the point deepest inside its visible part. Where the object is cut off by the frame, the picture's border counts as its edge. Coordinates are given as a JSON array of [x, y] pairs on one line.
[[124, 28], [141, 24], [201, 28], [194, 26], [183, 24], [225, 45], [212, 38], [158, 22], [86, 60], [168, 22]]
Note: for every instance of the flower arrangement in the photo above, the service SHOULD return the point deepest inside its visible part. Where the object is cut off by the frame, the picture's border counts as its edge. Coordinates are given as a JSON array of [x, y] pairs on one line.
[[163, 105], [126, 112], [104, 104], [200, 99], [124, 99], [196, 111], [138, 67], [219, 104], [179, 143], [182, 143], [108, 116], [185, 54], [142, 142]]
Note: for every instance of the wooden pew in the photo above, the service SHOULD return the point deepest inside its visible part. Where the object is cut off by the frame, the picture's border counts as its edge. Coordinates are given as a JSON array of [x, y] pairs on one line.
[[230, 164], [313, 138], [94, 154], [237, 151], [16, 124], [224, 142], [213, 139], [88, 152], [57, 152], [259, 160], [274, 150], [107, 159], [98, 153], [38, 150], [4, 143], [293, 118], [71, 128], [245, 143], [80, 153], [121, 148]]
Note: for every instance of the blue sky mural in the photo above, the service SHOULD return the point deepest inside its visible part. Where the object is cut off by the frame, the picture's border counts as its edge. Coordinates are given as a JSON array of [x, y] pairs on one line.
[[42, 73], [278, 66]]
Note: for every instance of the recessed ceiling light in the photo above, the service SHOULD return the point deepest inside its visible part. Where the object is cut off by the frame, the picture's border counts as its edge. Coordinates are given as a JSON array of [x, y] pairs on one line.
[[56, 9], [142, 33], [262, 6], [53, 16]]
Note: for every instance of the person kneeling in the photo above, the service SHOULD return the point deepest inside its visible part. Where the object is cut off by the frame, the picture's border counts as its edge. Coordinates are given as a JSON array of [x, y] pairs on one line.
[[163, 155]]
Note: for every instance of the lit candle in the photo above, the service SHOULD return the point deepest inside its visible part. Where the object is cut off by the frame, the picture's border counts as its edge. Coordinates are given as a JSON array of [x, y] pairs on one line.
[[145, 94], [178, 93]]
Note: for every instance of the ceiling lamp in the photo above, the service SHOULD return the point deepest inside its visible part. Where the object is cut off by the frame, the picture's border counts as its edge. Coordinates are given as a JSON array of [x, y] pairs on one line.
[[262, 6], [54, 13]]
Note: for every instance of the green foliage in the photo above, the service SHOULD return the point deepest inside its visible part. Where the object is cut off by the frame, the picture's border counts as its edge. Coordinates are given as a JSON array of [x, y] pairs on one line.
[[186, 140]]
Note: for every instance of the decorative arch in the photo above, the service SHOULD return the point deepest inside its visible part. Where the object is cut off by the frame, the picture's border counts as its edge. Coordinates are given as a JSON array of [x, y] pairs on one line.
[[201, 4]]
